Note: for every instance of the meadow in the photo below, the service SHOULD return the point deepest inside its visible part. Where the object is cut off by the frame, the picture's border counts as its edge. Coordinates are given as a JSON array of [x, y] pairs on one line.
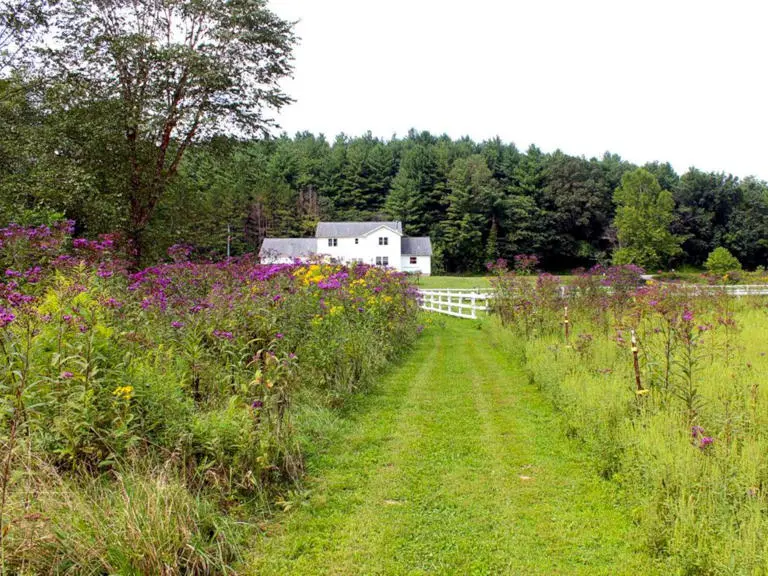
[[149, 418], [668, 394]]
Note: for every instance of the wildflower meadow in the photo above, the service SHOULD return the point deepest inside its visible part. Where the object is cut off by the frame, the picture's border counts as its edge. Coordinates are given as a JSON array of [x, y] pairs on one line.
[[665, 385], [147, 417]]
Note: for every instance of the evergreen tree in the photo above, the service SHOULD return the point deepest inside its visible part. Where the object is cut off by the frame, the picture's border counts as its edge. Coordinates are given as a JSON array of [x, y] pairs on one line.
[[466, 221]]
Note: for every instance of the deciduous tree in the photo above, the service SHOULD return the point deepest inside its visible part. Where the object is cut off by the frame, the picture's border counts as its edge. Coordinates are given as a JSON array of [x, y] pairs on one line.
[[644, 213], [177, 70]]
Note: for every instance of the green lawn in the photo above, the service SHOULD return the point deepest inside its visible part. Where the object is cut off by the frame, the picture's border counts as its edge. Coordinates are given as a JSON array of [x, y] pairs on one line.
[[453, 465], [454, 282]]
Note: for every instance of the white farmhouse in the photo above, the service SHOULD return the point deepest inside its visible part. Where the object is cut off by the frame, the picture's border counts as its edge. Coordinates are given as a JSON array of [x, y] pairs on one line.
[[375, 243]]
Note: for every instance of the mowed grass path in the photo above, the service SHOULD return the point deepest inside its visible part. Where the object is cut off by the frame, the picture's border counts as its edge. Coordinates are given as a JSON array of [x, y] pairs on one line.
[[454, 465]]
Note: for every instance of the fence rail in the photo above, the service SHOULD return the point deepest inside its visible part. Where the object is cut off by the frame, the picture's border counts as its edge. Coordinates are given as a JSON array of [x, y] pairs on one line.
[[459, 302], [467, 302], [731, 290]]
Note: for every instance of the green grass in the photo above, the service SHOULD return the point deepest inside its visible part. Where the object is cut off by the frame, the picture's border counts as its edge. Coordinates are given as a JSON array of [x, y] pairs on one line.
[[453, 465], [454, 282], [470, 281]]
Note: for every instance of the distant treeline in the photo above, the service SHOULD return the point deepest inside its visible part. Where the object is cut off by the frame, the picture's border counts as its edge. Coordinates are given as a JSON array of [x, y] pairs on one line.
[[477, 201]]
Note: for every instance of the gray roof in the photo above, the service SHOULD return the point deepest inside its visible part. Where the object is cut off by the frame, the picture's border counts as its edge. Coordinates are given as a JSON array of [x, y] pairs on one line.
[[352, 229], [416, 246], [288, 247]]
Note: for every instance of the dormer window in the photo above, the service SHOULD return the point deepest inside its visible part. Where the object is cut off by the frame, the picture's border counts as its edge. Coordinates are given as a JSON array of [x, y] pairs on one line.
[[383, 241], [333, 241]]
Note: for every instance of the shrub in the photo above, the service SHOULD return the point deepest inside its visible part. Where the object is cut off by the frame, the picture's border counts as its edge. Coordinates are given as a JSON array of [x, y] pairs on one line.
[[720, 261]]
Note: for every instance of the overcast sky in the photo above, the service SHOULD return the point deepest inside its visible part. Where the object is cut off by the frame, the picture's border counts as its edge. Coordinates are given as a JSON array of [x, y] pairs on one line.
[[672, 80]]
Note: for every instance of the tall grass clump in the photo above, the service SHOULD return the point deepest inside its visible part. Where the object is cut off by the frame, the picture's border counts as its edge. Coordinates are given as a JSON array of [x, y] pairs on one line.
[[164, 401], [685, 434]]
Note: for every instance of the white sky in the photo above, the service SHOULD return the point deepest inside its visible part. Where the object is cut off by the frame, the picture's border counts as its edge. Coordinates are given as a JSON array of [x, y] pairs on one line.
[[671, 80]]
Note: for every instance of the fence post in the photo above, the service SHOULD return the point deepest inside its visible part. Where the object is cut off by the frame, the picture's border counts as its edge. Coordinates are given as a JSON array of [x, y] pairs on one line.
[[636, 363]]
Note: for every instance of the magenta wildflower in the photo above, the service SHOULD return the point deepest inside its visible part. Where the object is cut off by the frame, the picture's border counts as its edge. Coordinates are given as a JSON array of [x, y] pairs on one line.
[[279, 336], [66, 375], [223, 334], [6, 317], [177, 324]]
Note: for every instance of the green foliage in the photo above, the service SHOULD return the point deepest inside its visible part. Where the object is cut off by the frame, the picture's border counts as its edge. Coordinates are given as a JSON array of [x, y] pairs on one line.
[[644, 213], [720, 261], [142, 523], [169, 75], [186, 372], [686, 448], [465, 226]]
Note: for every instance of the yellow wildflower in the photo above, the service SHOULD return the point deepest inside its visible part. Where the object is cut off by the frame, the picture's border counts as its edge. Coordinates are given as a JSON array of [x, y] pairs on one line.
[[124, 392]]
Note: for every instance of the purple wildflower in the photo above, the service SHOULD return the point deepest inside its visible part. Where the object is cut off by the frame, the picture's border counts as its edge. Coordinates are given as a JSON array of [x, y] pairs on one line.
[[177, 324], [279, 336], [223, 334], [257, 404], [6, 317], [66, 375], [706, 441]]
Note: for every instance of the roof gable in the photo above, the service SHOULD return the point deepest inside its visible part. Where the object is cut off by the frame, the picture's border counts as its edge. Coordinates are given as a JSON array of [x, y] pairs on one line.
[[386, 226]]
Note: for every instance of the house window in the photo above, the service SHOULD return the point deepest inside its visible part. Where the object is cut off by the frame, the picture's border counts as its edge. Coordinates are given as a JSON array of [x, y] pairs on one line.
[[382, 260], [383, 241], [333, 241], [357, 240], [413, 259]]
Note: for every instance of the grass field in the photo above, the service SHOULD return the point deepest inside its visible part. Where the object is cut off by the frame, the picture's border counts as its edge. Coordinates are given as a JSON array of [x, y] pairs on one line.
[[454, 465], [454, 282]]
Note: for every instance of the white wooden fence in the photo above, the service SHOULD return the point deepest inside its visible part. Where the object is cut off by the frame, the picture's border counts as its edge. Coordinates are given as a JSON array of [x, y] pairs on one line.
[[731, 290], [466, 303], [462, 303]]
